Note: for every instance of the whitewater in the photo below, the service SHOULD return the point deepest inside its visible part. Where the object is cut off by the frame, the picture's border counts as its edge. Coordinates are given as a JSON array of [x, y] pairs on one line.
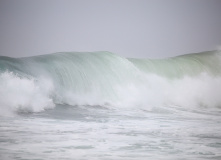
[[102, 106]]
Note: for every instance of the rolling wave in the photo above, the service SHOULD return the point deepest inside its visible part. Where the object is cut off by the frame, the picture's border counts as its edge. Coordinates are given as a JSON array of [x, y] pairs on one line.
[[103, 78]]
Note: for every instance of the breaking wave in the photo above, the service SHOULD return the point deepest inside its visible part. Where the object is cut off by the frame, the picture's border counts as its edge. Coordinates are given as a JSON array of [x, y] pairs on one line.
[[37, 83]]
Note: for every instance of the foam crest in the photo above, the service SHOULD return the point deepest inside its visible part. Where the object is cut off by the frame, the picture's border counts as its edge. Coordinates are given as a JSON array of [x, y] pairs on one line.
[[24, 94], [202, 91]]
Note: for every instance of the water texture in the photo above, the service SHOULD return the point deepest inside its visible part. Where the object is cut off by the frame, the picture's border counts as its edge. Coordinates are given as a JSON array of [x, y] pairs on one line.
[[103, 106]]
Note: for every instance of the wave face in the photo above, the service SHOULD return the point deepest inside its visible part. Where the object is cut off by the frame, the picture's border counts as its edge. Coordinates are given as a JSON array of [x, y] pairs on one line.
[[180, 66], [103, 78]]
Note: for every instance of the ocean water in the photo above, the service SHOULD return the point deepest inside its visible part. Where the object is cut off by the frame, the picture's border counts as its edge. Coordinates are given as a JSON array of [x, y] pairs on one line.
[[102, 106]]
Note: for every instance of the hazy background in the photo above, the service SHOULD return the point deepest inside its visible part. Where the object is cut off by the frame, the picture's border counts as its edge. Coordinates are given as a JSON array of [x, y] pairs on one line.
[[130, 28]]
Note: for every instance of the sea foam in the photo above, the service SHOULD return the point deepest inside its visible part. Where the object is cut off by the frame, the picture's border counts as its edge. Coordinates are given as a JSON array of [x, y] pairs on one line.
[[23, 94]]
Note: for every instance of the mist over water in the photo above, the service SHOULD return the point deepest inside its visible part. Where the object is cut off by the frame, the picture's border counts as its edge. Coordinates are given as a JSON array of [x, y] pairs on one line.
[[102, 106]]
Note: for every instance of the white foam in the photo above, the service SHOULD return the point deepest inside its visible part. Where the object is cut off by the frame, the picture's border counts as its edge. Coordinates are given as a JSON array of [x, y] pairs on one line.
[[203, 90], [19, 93], [199, 91]]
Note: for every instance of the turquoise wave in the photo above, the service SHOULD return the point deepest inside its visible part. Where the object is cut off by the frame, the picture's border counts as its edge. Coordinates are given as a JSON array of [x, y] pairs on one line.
[[103, 77]]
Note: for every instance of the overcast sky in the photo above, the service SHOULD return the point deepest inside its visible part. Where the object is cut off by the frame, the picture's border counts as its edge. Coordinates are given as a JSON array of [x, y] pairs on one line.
[[130, 28]]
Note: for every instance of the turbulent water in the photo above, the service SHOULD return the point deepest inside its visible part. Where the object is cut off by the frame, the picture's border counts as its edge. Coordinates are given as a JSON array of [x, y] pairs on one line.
[[103, 106]]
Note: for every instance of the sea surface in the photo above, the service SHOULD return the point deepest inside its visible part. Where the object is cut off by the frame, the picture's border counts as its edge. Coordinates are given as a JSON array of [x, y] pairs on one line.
[[100, 106]]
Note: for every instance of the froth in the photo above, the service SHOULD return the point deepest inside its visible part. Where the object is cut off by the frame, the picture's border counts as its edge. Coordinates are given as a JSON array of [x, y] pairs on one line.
[[24, 94], [202, 91]]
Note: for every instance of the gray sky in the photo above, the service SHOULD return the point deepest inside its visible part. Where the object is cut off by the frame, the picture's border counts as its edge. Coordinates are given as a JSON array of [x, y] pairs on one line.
[[130, 28]]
